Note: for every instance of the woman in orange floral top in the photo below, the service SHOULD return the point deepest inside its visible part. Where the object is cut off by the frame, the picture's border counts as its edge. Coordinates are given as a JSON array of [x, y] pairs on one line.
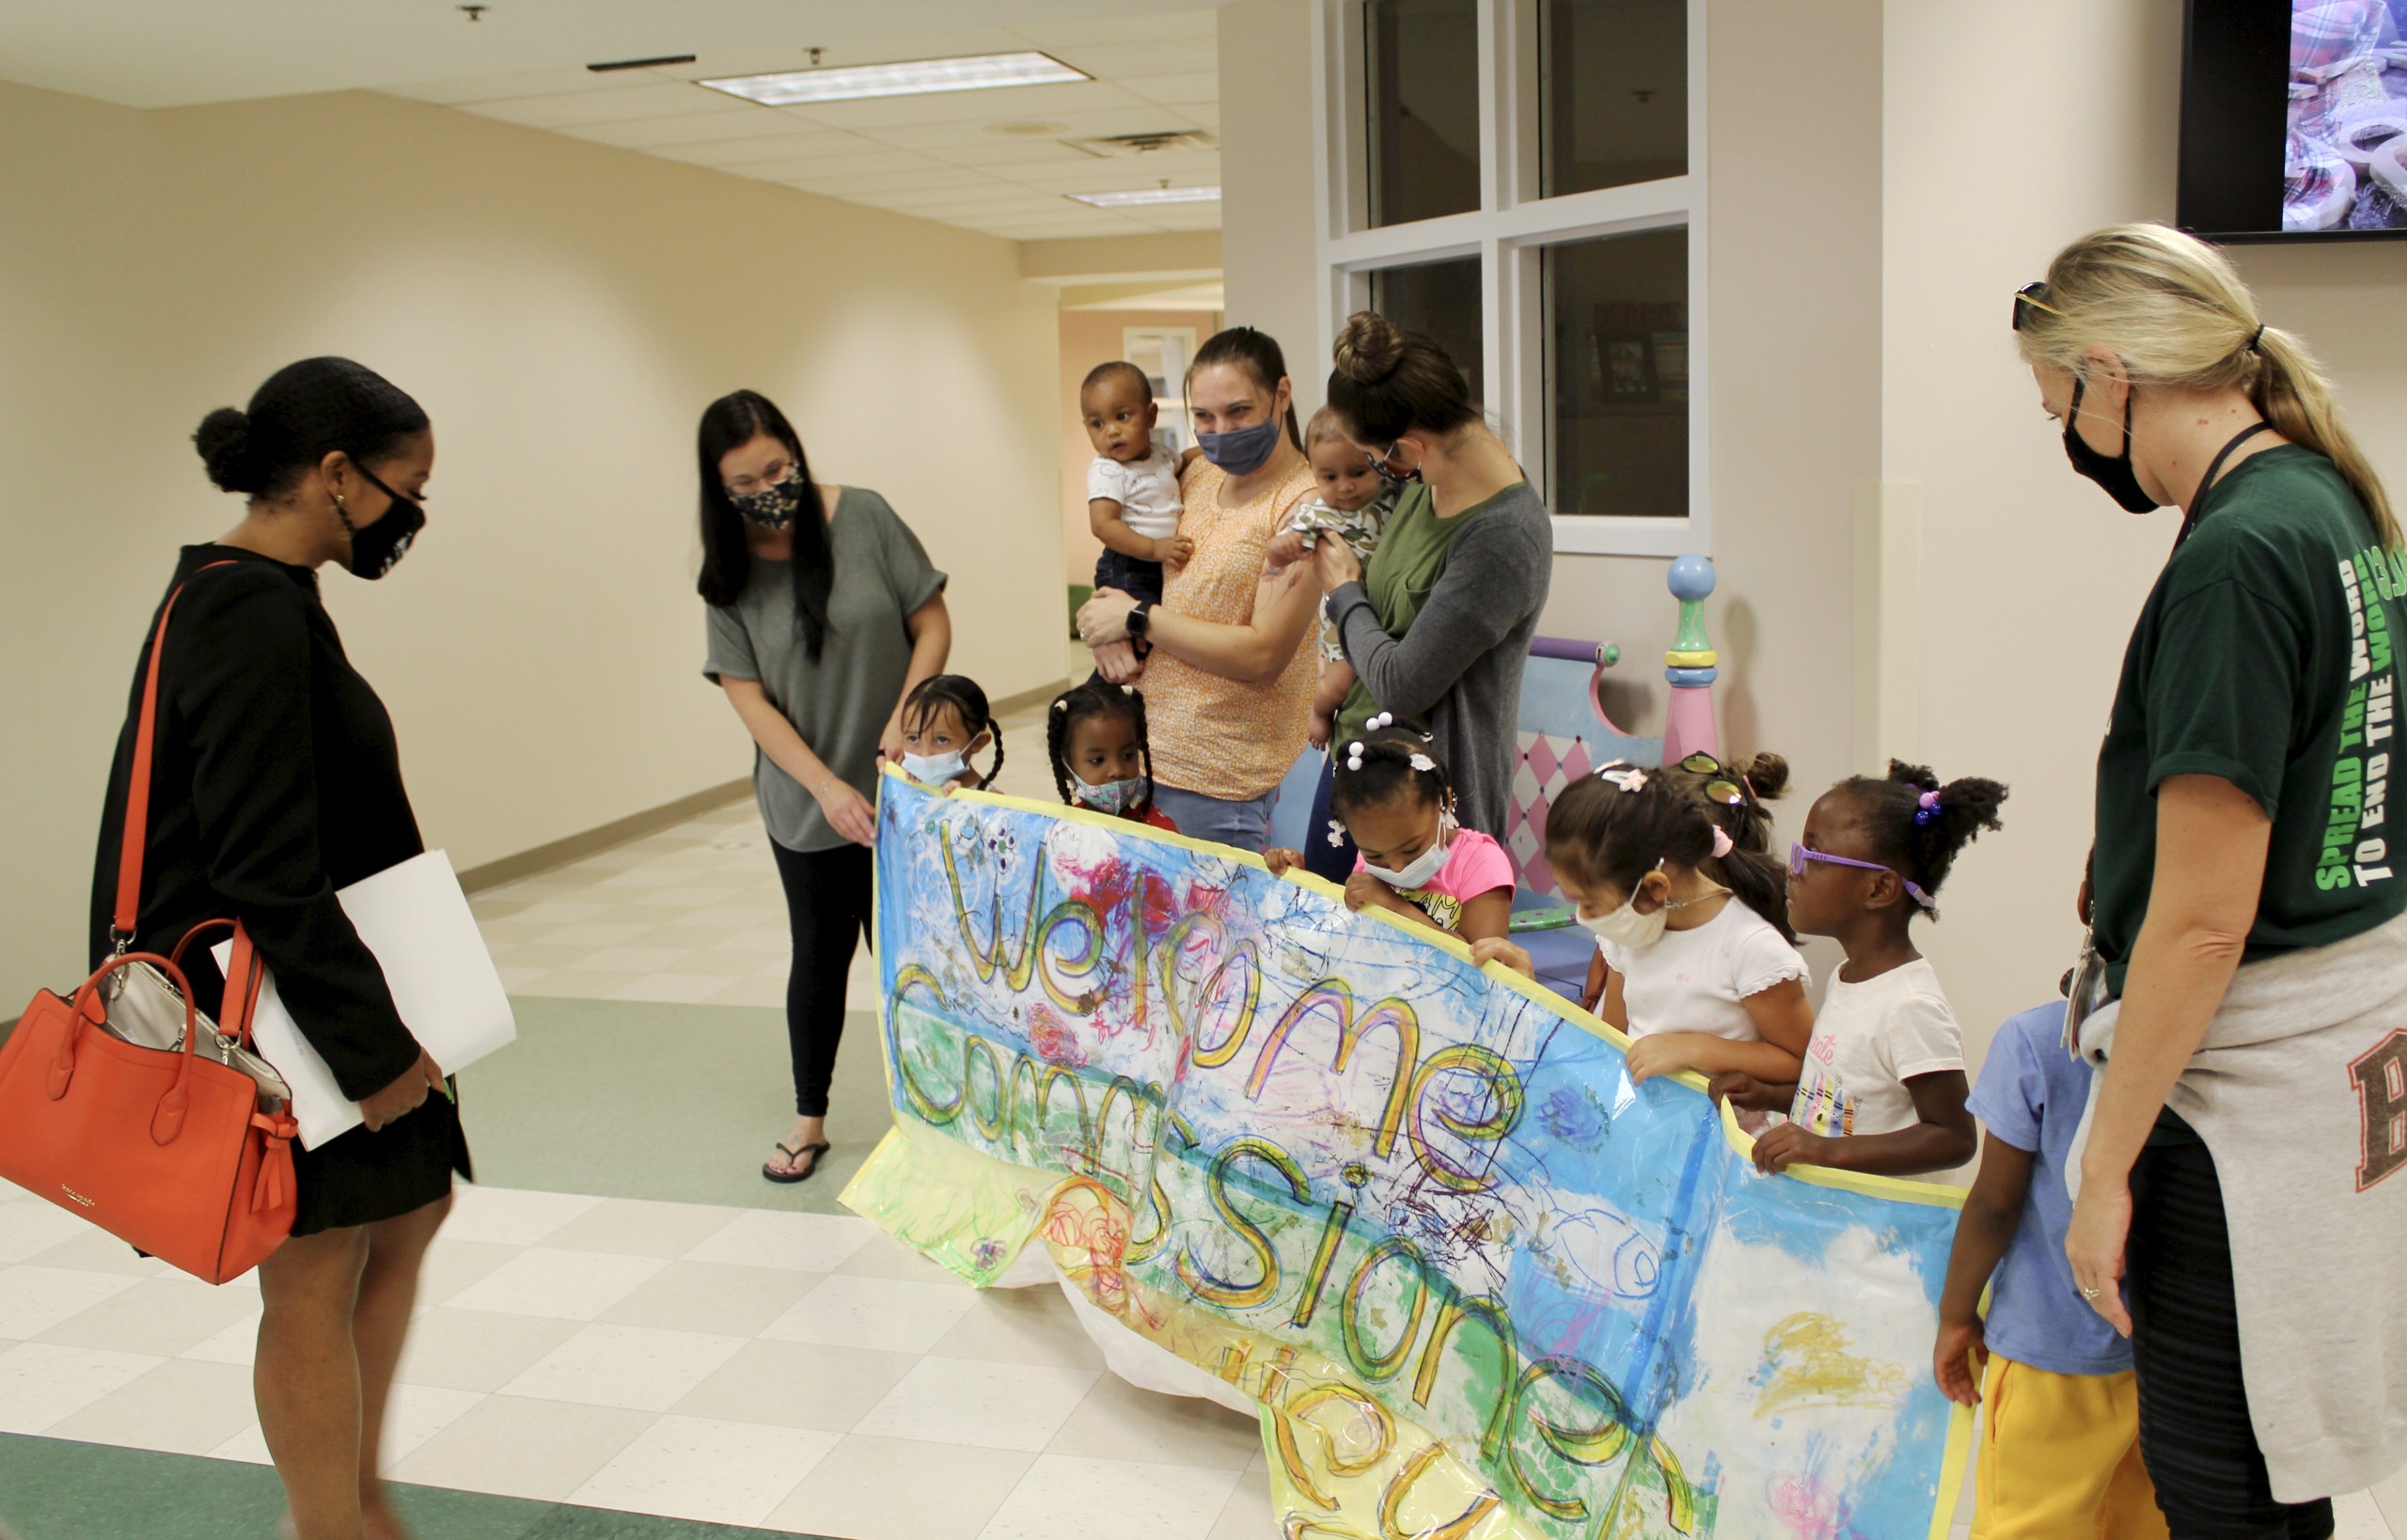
[[1228, 683]]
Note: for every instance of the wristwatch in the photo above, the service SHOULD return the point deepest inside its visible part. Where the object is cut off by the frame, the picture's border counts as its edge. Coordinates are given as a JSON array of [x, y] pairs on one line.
[[1140, 619]]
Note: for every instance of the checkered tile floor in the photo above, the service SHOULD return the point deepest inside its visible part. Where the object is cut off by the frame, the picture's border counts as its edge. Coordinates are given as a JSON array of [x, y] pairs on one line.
[[692, 915], [790, 1372]]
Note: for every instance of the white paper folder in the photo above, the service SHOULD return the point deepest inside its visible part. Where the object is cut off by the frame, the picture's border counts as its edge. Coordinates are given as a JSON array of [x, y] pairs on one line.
[[416, 920]]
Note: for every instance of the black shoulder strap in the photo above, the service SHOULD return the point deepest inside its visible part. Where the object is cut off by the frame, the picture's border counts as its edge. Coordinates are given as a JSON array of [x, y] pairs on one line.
[[2207, 482]]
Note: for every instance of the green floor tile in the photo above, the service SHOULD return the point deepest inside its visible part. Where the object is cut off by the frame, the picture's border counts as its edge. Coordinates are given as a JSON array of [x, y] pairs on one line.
[[52, 1489], [681, 1103]]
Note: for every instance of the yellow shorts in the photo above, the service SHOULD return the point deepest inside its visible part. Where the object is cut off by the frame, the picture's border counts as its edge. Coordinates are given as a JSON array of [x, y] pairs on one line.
[[2060, 1458]]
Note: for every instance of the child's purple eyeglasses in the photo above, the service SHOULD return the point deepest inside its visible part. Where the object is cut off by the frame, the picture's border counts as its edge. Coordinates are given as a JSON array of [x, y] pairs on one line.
[[1798, 856]]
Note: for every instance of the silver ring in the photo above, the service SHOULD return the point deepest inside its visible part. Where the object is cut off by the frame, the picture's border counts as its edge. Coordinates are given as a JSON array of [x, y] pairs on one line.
[[2089, 1294]]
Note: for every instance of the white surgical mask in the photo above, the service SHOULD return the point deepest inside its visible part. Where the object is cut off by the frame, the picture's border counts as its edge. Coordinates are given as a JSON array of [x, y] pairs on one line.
[[1112, 797], [1629, 929], [1415, 873], [1634, 932], [934, 769]]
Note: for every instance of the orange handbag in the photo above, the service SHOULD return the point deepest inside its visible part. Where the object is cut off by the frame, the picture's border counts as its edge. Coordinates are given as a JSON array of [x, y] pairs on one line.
[[169, 1150]]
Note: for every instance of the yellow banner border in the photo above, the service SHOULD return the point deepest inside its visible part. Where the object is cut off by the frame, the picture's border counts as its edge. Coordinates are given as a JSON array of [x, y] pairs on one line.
[[1896, 1188]]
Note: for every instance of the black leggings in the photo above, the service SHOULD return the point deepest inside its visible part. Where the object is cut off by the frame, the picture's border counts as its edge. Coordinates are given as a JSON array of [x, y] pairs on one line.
[[2194, 1432], [828, 907]]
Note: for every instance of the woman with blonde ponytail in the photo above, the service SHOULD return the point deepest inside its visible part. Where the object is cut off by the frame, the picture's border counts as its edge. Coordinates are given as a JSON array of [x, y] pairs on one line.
[[2239, 1210]]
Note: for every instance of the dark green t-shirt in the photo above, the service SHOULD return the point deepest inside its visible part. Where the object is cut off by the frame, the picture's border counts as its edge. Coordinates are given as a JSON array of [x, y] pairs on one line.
[[2264, 657]]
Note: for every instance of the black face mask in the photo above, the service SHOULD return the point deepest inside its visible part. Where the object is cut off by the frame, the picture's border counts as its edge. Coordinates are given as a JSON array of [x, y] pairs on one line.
[[378, 548], [2112, 471]]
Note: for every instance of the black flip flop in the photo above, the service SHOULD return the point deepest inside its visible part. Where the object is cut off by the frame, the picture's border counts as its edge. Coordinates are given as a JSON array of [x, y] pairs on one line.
[[791, 1153]]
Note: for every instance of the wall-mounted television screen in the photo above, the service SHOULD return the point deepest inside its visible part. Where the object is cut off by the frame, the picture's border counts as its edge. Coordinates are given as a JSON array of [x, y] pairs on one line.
[[2295, 120]]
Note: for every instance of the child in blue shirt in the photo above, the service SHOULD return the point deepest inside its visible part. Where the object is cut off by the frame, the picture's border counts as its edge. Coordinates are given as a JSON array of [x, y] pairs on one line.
[[2060, 1453]]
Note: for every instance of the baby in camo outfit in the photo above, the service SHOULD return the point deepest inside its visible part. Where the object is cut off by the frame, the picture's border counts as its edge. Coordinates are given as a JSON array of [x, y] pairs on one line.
[[1352, 505]]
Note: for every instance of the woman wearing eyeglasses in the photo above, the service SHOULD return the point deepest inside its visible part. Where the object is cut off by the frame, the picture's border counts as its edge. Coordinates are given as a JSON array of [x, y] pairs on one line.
[[1438, 627], [2240, 1211], [824, 613]]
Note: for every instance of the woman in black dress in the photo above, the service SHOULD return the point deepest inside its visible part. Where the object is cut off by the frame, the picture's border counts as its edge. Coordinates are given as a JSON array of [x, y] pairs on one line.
[[277, 781]]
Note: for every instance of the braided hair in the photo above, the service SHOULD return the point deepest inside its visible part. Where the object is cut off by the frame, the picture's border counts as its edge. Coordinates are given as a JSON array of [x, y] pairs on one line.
[[959, 691], [1082, 703], [1384, 763], [1617, 826], [1914, 824]]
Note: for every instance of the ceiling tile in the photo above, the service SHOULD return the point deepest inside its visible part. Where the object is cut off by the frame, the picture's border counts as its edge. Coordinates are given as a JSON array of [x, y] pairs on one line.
[[1180, 216], [956, 202], [1026, 152], [701, 128], [947, 178], [1204, 114], [831, 165], [1166, 28], [1175, 90], [793, 144], [453, 93], [1123, 61], [1112, 176], [577, 108]]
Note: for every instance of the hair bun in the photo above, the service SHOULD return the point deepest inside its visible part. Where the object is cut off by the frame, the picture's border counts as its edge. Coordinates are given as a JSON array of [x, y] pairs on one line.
[[1369, 349], [224, 440], [1765, 774]]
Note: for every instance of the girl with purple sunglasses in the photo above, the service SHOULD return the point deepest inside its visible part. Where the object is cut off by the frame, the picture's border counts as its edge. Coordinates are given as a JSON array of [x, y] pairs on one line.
[[1881, 1088]]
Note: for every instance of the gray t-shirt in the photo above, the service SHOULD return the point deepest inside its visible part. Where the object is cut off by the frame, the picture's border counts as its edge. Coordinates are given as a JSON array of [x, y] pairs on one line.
[[840, 704]]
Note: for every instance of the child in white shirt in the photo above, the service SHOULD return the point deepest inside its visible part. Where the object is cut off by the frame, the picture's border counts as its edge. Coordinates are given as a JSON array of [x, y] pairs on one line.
[[1670, 870], [1133, 500], [1881, 1089]]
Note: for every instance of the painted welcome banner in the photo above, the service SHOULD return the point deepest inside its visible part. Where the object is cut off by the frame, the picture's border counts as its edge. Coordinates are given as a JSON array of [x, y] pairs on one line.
[[1477, 1284]]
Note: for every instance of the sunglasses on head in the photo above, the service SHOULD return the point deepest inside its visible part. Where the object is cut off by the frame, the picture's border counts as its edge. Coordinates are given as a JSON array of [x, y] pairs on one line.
[[1720, 786], [2030, 297], [1799, 858]]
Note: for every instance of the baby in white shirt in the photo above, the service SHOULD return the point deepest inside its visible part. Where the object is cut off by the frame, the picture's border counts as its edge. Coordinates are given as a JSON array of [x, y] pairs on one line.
[[1133, 501]]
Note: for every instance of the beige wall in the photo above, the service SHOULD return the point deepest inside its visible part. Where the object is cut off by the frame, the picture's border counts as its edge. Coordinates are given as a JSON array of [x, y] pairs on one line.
[[1090, 338], [2030, 577], [563, 310], [1267, 220]]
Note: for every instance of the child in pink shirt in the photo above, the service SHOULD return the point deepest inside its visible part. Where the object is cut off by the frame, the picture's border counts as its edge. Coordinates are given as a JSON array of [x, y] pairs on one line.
[[1391, 794]]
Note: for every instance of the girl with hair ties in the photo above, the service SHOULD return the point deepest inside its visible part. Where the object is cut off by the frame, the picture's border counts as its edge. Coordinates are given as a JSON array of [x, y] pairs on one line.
[[2240, 1213], [1437, 624], [818, 670], [275, 781]]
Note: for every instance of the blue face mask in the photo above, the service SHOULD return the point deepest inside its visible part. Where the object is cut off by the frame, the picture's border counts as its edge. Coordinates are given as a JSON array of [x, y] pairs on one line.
[[1112, 796], [1243, 450], [934, 769]]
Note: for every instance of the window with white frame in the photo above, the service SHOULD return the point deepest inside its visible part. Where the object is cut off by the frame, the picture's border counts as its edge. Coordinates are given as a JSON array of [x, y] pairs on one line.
[[1523, 181]]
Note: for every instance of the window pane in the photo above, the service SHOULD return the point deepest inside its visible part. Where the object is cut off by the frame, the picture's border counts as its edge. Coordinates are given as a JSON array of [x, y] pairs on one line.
[[1441, 299], [1617, 374], [1423, 56], [1615, 75]]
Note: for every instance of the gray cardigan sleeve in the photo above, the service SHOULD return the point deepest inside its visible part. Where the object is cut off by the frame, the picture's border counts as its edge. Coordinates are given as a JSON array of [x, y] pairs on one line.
[[1495, 575]]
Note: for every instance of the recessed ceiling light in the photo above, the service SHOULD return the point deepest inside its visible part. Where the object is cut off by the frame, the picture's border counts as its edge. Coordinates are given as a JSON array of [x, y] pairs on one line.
[[1149, 194], [913, 77]]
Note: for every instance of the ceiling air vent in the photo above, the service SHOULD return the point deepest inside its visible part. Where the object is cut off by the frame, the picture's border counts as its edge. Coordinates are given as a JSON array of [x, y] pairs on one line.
[[1122, 146]]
